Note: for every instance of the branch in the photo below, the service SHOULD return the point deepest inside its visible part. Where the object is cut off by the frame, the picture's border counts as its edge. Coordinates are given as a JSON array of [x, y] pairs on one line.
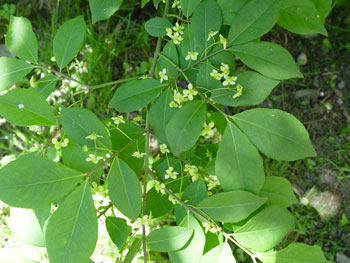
[[152, 75], [206, 220]]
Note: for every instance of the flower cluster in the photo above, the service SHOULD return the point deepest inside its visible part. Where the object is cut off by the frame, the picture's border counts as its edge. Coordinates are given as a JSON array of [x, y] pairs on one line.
[[118, 119], [59, 145], [138, 155], [227, 80], [173, 199], [211, 229], [164, 149], [176, 4], [145, 220], [208, 130], [193, 171], [176, 33], [212, 182], [160, 187], [93, 136], [170, 173], [187, 95], [93, 158]]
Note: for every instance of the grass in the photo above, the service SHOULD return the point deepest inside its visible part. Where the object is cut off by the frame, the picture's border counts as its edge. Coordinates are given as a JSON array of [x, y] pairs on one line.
[[120, 48]]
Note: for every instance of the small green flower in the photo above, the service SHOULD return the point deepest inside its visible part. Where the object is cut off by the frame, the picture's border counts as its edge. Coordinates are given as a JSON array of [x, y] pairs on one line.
[[138, 155], [170, 173], [163, 76], [85, 148], [212, 34], [230, 80], [223, 41], [169, 32], [159, 187], [164, 149], [118, 119], [59, 145], [189, 92], [208, 130], [93, 136], [192, 55], [215, 74], [177, 38], [93, 158], [179, 28], [239, 92], [175, 4]]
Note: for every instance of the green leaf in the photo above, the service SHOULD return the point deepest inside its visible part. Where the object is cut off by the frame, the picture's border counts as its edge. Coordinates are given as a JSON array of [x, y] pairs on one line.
[[156, 26], [157, 204], [206, 18], [266, 229], [170, 51], [254, 20], [160, 113], [122, 136], [9, 255], [12, 70], [279, 191], [118, 230], [124, 189], [231, 207], [188, 6], [193, 251], [79, 123], [185, 126], [135, 94], [230, 8], [24, 107], [144, 2], [195, 192], [21, 40], [33, 182], [204, 81], [169, 238], [225, 57], [276, 133], [220, 254], [46, 85], [256, 88], [295, 252], [68, 40], [71, 233], [301, 17], [270, 59], [324, 7], [26, 224], [104, 9], [133, 250], [74, 157], [238, 163]]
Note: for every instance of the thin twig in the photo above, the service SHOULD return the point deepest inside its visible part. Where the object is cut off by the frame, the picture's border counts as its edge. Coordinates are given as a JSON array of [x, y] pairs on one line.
[[146, 168], [104, 211]]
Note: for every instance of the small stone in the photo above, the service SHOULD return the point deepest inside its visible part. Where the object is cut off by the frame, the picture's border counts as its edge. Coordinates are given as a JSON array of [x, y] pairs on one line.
[[341, 258], [341, 84], [302, 59]]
